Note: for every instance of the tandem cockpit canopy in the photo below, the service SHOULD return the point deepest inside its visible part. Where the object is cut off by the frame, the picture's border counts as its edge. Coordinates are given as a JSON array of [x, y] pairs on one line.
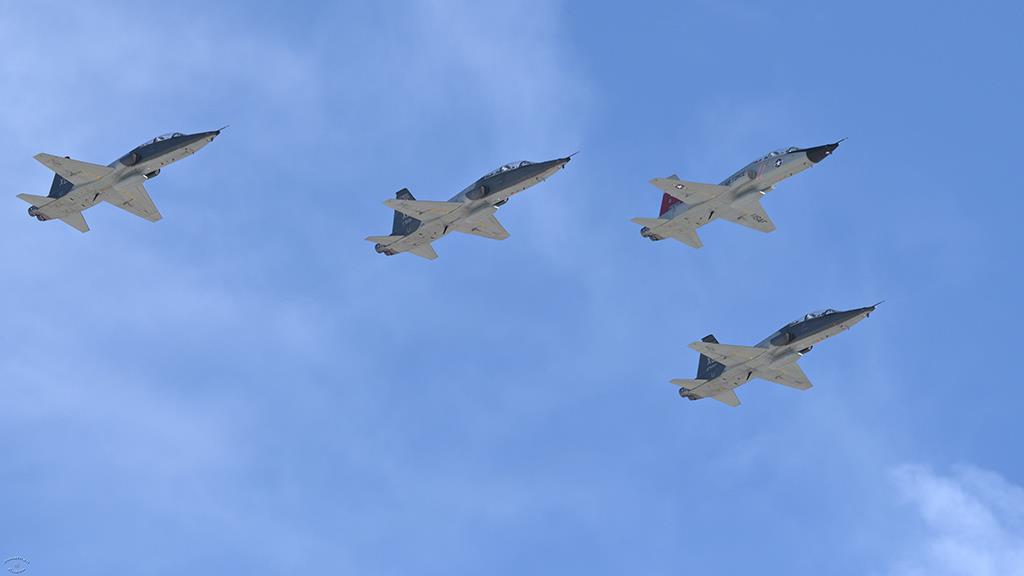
[[813, 315], [775, 153], [161, 138], [509, 166]]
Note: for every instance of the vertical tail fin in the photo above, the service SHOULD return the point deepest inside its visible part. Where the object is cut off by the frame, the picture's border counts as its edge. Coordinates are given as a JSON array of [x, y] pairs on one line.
[[706, 367], [60, 187], [404, 224], [668, 200]]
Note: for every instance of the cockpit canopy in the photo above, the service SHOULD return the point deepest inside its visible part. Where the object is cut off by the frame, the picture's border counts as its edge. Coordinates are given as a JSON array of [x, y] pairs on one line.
[[813, 315], [161, 138], [775, 153], [507, 167]]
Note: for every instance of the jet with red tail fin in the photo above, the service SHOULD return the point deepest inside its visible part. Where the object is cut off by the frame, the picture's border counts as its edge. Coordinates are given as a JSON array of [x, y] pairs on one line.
[[686, 206]]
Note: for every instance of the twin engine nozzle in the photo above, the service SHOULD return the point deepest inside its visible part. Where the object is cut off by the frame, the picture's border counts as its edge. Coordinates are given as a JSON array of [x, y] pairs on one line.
[[33, 211], [684, 393], [382, 249]]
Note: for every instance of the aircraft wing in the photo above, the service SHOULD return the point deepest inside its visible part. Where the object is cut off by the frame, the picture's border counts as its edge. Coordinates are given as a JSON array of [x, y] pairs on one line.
[[423, 209], [789, 375], [688, 192], [74, 171], [727, 354], [749, 214], [485, 225], [134, 199]]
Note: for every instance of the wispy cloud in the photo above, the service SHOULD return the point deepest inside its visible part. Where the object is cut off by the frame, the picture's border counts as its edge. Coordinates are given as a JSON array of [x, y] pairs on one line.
[[973, 522]]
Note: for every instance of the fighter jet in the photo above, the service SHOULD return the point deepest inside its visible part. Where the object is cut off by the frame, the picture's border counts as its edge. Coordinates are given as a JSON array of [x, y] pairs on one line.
[[418, 223], [723, 367], [686, 206], [80, 185]]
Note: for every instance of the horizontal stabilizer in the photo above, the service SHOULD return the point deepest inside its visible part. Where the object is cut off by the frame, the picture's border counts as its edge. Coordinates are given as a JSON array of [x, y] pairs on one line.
[[727, 354], [689, 192], [687, 236], [385, 240], [73, 219], [687, 384], [652, 223], [728, 397], [37, 201], [74, 171], [675, 228], [424, 251], [76, 221]]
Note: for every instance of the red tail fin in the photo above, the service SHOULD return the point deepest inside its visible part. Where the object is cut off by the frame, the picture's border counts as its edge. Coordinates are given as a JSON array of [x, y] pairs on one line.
[[667, 202]]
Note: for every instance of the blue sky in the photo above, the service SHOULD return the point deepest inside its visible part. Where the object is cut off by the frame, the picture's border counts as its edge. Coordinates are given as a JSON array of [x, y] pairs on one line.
[[246, 386]]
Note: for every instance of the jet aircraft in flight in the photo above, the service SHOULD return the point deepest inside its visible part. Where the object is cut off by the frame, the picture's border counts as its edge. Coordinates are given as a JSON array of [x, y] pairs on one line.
[[418, 223], [686, 206], [80, 185], [723, 367]]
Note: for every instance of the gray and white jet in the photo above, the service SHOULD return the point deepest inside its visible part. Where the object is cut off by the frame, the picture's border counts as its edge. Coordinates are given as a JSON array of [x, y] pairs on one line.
[[418, 223], [79, 185], [724, 367], [686, 206]]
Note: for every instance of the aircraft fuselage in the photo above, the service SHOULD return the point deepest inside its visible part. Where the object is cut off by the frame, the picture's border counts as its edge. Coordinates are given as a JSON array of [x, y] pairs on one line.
[[492, 190], [138, 165], [787, 345], [754, 180]]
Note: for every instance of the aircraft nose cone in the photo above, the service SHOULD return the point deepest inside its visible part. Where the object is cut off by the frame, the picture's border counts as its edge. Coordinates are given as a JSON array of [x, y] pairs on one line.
[[856, 315], [555, 164], [819, 153], [214, 133]]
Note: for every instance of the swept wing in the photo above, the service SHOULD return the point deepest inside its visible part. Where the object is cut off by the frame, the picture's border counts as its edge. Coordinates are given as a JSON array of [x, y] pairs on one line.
[[133, 199], [74, 171], [483, 224], [788, 375], [750, 214], [423, 210], [688, 192], [727, 354]]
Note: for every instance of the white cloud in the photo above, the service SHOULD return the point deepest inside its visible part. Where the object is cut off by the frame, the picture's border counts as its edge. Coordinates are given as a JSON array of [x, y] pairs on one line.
[[973, 520]]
